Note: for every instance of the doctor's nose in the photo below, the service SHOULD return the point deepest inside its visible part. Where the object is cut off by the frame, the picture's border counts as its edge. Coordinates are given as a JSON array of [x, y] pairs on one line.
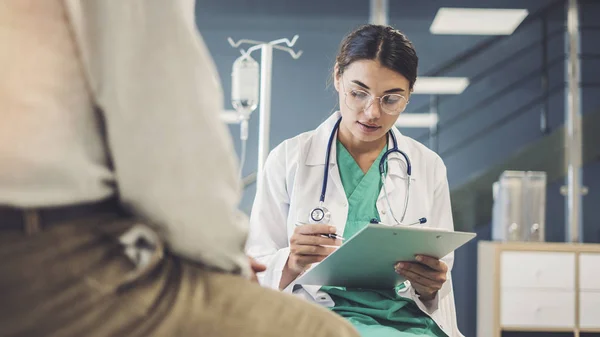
[[373, 110]]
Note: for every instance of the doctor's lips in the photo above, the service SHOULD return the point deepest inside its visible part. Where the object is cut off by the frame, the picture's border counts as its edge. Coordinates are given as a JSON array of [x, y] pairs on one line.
[[369, 126]]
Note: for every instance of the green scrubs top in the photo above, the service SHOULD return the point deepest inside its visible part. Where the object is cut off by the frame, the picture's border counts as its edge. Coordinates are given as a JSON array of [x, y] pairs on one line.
[[373, 313]]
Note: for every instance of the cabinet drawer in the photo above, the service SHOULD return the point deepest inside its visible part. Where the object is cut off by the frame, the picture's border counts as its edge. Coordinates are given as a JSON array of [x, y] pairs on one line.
[[589, 309], [589, 271], [537, 270], [537, 308]]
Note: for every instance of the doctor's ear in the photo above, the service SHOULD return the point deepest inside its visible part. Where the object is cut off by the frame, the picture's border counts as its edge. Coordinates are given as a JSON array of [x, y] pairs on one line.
[[336, 77]]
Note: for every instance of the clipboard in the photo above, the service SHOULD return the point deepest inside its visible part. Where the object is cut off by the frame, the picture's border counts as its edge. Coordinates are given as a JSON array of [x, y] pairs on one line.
[[367, 259]]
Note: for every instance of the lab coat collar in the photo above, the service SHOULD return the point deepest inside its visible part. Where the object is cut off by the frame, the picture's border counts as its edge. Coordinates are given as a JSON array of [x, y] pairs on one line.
[[320, 138]]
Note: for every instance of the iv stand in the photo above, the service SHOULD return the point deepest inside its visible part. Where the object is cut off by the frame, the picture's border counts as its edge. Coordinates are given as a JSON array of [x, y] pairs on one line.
[[266, 66]]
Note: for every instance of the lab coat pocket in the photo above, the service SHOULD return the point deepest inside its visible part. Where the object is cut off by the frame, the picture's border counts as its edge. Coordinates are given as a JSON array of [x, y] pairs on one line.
[[323, 298], [313, 293]]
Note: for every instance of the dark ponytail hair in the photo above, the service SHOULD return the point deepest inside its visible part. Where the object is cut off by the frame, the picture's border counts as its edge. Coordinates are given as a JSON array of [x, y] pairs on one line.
[[382, 43]]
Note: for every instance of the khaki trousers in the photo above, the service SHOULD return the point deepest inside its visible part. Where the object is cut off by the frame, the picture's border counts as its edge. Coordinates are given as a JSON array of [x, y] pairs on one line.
[[73, 279]]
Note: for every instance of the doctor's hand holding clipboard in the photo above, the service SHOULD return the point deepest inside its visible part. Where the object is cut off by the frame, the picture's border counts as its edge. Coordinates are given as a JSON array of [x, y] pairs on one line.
[[427, 276]]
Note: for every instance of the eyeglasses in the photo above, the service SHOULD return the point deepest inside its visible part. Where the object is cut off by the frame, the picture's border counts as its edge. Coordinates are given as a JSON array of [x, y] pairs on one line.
[[359, 100]]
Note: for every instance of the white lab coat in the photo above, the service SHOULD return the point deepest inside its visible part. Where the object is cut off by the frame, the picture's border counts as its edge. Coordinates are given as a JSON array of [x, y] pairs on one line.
[[290, 187]]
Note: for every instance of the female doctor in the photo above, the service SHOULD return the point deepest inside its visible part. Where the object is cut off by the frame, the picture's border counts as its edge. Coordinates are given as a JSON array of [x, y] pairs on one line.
[[330, 181]]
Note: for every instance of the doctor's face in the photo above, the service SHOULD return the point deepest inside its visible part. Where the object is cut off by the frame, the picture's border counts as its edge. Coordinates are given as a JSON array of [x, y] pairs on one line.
[[371, 99]]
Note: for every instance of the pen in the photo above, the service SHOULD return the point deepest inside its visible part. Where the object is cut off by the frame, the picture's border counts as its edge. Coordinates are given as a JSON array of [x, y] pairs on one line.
[[418, 222], [327, 236], [332, 236]]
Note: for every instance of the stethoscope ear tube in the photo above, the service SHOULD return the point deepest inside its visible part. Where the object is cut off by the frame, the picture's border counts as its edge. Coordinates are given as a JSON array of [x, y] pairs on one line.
[[327, 157]]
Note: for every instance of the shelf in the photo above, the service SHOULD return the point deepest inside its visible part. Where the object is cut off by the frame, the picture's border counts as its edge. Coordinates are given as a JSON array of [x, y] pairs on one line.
[[544, 246], [589, 330], [515, 328]]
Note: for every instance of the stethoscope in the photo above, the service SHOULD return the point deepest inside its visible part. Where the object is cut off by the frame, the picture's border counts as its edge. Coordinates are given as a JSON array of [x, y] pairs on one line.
[[321, 214]]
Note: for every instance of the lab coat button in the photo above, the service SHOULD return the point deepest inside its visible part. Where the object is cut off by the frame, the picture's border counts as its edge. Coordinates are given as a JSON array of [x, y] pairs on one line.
[[383, 212]]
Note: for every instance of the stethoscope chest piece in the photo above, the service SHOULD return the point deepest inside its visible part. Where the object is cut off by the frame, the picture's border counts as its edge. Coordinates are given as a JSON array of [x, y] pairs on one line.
[[319, 215]]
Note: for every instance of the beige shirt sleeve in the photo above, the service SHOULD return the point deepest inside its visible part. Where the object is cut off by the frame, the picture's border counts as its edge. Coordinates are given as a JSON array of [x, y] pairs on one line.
[[174, 161]]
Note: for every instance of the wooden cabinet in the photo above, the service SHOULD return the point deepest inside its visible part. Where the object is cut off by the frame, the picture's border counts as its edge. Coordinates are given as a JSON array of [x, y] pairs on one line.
[[538, 287]]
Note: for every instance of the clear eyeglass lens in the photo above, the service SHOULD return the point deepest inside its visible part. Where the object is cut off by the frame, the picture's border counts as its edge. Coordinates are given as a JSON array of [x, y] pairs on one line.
[[392, 104]]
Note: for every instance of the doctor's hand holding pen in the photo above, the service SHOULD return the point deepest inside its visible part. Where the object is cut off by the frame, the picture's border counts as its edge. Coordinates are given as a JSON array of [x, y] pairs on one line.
[[427, 275], [309, 244]]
